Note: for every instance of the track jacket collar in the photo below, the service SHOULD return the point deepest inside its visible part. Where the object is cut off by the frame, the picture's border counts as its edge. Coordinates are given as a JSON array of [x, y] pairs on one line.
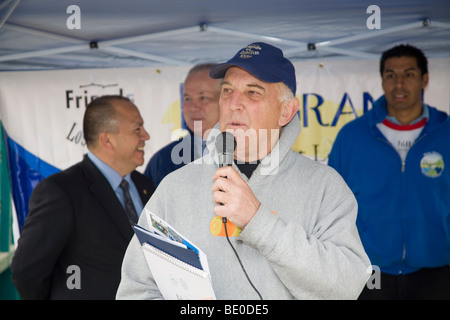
[[379, 112]]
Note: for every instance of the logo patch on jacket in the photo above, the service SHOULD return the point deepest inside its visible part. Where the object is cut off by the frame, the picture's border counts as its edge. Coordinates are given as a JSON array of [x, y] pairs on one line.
[[432, 164]]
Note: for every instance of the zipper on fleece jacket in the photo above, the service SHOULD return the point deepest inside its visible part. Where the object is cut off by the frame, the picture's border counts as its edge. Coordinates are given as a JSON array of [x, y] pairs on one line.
[[398, 153], [382, 138]]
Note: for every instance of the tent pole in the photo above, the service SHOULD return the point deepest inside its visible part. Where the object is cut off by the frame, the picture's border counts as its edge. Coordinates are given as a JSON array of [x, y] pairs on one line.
[[104, 45], [255, 36], [354, 53], [299, 46], [145, 56], [9, 12], [40, 33], [150, 36], [40, 53], [329, 45], [372, 34], [439, 24]]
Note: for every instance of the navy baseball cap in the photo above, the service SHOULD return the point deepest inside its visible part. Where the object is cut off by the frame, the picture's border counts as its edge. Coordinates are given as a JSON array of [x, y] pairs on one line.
[[263, 61]]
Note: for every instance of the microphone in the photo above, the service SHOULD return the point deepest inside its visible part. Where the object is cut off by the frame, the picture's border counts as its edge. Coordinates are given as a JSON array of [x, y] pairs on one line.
[[225, 146]]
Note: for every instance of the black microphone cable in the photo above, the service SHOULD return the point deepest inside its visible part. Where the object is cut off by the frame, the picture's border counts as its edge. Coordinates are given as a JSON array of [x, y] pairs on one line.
[[224, 220]]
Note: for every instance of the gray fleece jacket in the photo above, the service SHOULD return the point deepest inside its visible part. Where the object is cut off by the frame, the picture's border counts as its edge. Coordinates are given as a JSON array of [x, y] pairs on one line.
[[301, 244]]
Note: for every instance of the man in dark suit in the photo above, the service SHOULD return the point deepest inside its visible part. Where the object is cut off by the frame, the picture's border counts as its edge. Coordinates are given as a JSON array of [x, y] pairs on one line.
[[77, 230]]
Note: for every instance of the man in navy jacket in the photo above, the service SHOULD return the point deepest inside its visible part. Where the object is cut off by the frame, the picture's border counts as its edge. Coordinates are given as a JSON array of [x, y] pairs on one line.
[[200, 112], [396, 160]]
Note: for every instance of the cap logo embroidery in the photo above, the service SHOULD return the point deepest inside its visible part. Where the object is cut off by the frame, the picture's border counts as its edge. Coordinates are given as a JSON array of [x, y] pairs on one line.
[[250, 51]]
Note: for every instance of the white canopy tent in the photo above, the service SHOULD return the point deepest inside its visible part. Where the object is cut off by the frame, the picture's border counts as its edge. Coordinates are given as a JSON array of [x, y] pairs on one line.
[[36, 35]]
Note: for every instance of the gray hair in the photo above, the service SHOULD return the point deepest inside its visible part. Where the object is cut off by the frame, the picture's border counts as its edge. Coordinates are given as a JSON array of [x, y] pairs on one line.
[[201, 67]]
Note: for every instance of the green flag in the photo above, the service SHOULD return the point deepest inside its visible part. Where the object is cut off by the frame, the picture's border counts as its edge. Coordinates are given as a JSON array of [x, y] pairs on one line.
[[5, 197]]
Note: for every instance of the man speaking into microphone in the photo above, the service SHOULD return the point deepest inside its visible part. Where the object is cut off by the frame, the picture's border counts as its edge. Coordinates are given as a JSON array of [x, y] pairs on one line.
[[295, 218]]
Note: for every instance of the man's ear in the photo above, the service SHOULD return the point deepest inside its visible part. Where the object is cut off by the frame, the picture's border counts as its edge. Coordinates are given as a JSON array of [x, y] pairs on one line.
[[104, 140], [288, 110], [425, 79]]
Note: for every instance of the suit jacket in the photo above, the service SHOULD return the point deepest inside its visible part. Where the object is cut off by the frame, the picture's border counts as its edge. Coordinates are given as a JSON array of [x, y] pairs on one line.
[[75, 236]]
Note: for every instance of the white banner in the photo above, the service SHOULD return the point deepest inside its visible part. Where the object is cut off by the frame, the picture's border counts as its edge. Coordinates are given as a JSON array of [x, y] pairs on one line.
[[42, 111]]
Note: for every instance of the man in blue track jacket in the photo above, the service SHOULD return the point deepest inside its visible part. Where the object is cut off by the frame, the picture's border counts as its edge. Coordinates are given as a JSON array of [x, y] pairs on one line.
[[396, 160]]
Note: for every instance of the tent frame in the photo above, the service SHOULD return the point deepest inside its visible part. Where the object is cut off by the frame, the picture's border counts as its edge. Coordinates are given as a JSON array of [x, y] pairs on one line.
[[115, 46]]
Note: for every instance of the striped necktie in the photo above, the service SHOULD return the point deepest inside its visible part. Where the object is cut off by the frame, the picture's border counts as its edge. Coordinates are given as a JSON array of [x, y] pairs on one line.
[[129, 206]]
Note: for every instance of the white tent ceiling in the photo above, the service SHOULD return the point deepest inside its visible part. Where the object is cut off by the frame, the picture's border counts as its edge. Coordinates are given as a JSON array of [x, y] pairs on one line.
[[144, 33]]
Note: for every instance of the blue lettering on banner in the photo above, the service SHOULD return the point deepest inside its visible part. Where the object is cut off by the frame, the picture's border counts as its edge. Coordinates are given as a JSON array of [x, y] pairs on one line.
[[366, 99], [341, 107], [321, 120], [346, 100]]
